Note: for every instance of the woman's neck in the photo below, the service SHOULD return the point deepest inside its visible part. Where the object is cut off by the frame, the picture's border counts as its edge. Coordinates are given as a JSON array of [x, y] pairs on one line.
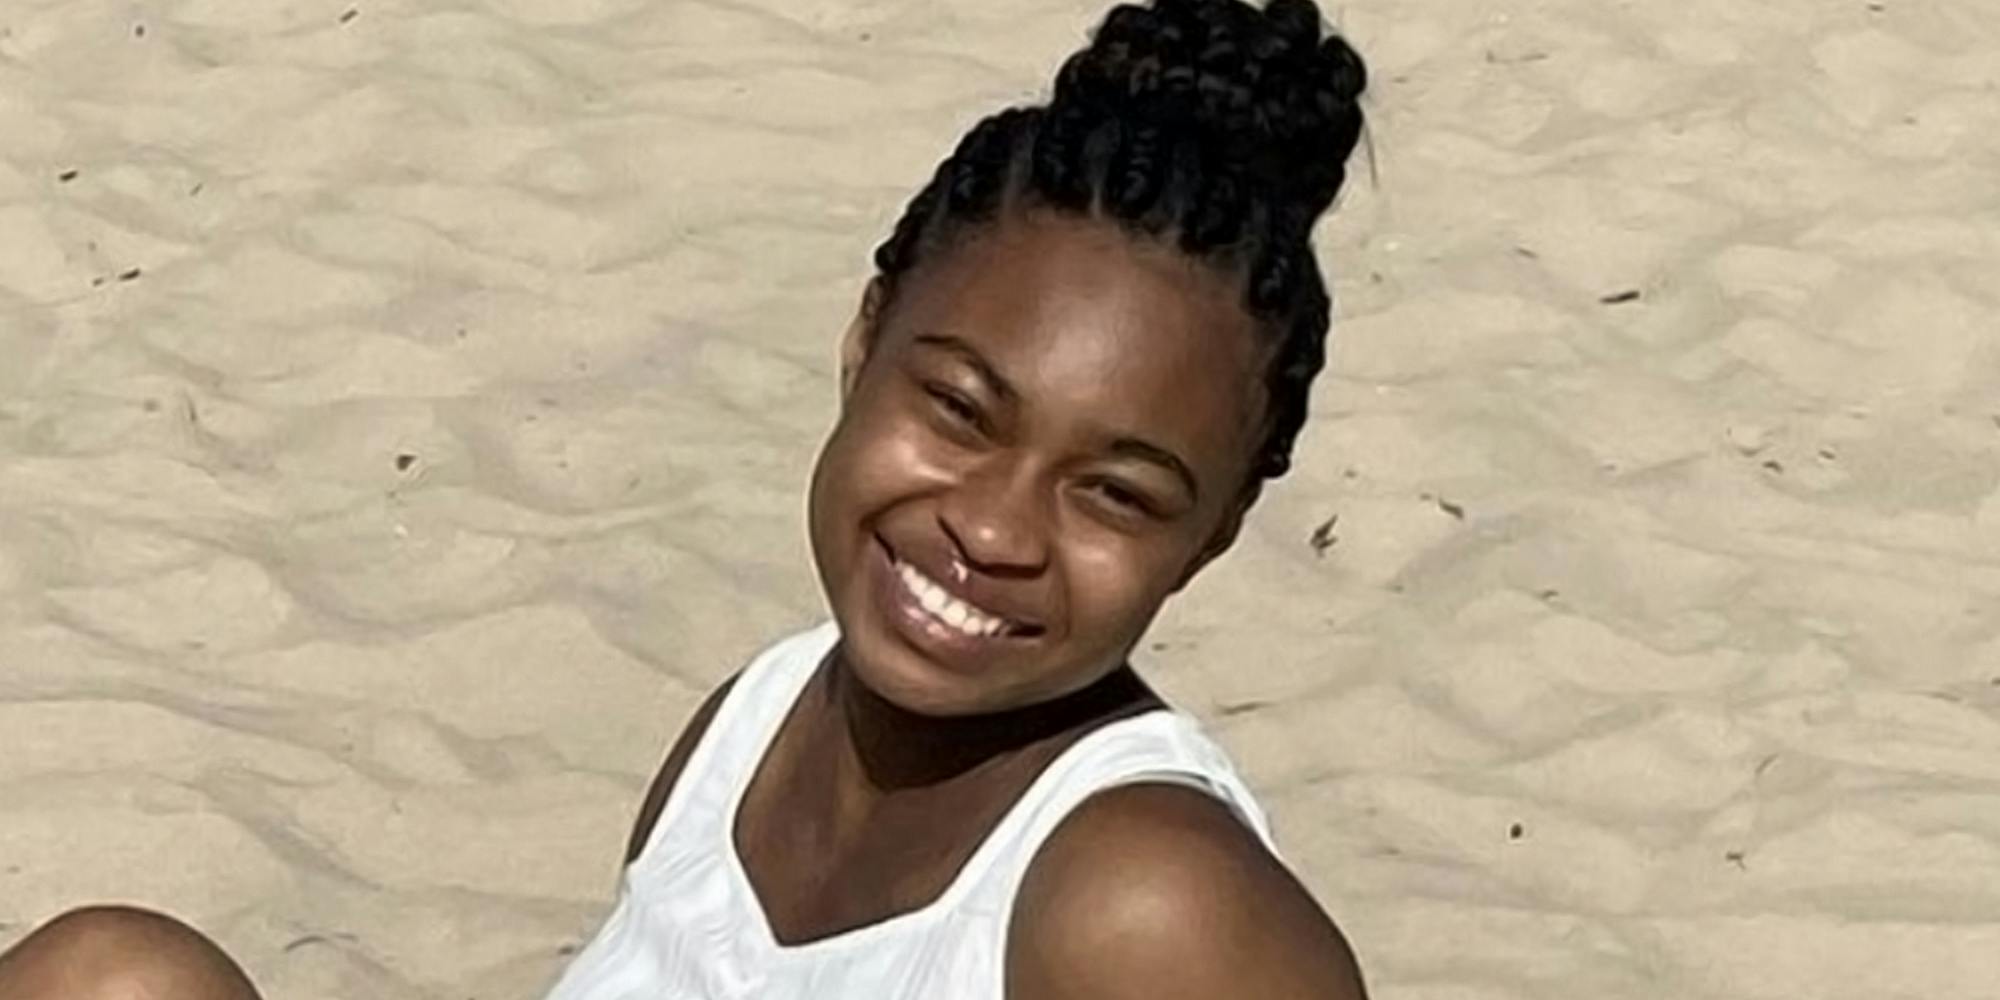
[[901, 750]]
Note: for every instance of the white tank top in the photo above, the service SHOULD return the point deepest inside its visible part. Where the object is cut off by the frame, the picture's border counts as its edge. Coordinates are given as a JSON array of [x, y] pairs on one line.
[[688, 926]]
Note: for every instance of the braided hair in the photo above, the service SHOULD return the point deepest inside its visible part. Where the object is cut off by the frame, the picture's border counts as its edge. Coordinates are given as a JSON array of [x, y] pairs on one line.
[[1212, 124]]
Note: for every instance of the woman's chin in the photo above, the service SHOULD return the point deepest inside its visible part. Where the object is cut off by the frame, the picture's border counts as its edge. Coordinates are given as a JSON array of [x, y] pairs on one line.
[[904, 681], [901, 676]]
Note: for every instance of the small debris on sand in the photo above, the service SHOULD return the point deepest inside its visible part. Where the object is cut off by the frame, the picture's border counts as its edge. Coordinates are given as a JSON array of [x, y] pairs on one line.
[[1323, 537]]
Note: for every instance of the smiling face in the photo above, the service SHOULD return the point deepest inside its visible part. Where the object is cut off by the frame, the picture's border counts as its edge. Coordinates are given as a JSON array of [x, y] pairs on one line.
[[1044, 436]]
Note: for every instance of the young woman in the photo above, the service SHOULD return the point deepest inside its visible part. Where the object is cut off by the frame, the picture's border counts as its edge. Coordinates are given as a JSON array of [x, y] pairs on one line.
[[1088, 344]]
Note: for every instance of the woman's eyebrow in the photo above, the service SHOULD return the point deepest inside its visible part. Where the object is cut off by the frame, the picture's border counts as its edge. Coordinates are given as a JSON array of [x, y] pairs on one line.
[[1146, 451], [970, 355]]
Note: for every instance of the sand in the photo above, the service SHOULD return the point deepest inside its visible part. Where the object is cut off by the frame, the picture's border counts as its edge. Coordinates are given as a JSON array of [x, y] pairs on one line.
[[405, 408]]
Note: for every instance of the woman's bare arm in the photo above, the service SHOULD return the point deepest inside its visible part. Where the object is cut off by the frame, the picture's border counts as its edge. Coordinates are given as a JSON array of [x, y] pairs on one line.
[[1157, 892]]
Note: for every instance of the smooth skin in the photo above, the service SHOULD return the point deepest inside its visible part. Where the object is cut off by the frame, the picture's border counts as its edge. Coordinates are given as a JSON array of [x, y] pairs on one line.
[[119, 953]]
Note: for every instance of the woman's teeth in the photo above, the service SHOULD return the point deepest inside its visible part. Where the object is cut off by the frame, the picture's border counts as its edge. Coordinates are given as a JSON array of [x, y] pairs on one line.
[[948, 609]]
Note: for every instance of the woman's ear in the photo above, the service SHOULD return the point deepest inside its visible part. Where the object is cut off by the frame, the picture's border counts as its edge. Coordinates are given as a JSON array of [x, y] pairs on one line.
[[859, 341]]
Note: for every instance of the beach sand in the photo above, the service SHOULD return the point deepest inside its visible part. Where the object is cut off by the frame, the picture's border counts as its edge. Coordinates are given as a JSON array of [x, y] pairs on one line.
[[405, 410]]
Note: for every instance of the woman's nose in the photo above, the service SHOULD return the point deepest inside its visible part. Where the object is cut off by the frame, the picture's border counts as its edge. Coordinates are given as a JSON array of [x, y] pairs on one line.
[[999, 520]]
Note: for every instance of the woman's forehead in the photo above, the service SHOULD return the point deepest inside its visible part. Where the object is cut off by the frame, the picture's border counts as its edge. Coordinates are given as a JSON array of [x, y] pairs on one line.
[[1041, 276], [1077, 315]]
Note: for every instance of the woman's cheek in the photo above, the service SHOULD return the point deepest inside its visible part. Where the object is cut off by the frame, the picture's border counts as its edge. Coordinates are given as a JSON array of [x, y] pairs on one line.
[[916, 457], [876, 450], [1107, 576]]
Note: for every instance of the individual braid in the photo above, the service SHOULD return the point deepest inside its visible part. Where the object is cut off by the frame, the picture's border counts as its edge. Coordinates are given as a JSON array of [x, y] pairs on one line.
[[1212, 124]]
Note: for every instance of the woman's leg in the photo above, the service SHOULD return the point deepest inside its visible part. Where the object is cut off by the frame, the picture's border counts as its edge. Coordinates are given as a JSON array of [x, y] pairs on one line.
[[119, 953]]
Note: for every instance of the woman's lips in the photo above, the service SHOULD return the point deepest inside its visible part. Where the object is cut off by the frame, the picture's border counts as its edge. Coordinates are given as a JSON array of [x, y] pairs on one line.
[[932, 628], [950, 608]]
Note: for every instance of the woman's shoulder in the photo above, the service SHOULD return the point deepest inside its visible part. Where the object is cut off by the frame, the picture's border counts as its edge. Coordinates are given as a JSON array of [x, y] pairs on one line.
[[1156, 889]]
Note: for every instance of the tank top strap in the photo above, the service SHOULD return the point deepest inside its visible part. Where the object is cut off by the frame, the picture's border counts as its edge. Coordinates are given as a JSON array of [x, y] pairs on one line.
[[742, 728], [1164, 745]]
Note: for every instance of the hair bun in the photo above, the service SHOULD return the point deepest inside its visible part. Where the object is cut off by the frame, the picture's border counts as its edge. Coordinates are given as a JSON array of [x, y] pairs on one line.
[[1264, 87]]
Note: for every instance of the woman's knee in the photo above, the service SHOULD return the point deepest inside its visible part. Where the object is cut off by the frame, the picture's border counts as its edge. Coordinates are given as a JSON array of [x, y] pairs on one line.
[[119, 953]]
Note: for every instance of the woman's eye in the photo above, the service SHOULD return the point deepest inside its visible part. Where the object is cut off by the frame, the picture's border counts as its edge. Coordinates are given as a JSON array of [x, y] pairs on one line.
[[1124, 498], [955, 406]]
